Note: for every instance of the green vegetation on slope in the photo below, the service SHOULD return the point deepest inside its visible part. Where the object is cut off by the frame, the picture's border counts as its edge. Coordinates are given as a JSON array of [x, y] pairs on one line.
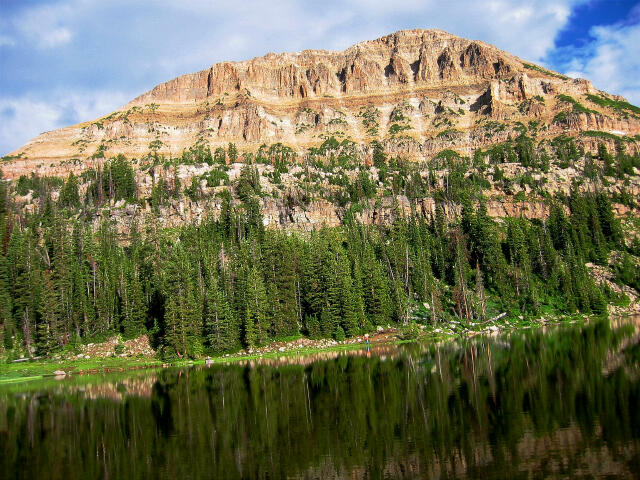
[[615, 104], [577, 106], [537, 68]]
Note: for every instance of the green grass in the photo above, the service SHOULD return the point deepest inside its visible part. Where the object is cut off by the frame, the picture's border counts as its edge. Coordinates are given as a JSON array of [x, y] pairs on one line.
[[609, 136], [30, 370], [537, 68], [596, 134], [577, 106], [17, 372], [615, 104]]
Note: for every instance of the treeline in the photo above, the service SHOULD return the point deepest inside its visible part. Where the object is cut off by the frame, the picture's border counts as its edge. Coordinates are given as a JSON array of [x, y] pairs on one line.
[[229, 283]]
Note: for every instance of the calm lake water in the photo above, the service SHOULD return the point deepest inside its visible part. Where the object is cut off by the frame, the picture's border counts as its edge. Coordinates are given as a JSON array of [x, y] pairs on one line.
[[560, 403]]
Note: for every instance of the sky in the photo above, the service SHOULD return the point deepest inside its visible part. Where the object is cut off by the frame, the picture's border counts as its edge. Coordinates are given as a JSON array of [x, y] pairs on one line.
[[67, 61]]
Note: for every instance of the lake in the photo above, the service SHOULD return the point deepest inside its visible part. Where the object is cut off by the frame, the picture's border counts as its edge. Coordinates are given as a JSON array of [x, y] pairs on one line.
[[554, 402]]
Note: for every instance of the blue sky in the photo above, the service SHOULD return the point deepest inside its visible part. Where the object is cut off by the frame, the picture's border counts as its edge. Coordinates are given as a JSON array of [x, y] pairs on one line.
[[67, 61]]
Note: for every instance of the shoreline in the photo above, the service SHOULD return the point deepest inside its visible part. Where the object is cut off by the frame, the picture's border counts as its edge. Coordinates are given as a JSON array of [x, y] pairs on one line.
[[12, 373]]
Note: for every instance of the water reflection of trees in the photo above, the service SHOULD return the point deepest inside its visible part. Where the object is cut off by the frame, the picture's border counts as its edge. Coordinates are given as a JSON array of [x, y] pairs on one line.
[[562, 403]]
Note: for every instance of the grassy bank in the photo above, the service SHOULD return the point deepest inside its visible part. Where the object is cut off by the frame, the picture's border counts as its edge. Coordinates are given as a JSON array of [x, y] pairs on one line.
[[23, 371]]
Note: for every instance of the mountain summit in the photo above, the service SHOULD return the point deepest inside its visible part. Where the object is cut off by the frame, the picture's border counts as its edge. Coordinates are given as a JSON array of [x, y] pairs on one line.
[[417, 92]]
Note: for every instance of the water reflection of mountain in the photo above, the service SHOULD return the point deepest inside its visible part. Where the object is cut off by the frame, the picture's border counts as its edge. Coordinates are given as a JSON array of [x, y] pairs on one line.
[[556, 404]]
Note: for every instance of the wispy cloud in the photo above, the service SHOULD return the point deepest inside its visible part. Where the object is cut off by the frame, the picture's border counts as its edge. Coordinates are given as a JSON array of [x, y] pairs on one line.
[[6, 40], [44, 26], [55, 37], [27, 116], [612, 60]]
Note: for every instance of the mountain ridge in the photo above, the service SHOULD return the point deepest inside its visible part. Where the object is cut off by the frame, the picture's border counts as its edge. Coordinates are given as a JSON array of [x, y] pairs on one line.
[[436, 83]]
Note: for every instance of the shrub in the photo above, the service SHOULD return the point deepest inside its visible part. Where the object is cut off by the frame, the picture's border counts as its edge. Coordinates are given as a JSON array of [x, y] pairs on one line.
[[410, 332]]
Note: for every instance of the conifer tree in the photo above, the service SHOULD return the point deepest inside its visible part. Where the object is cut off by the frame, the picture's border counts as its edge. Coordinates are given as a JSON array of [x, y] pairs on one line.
[[7, 327], [400, 303], [26, 281], [376, 289], [48, 329], [357, 299], [255, 322], [518, 257], [228, 282], [62, 276], [313, 277], [607, 159], [461, 269], [220, 326], [334, 270], [133, 300], [232, 152], [481, 301], [183, 317], [558, 227], [610, 225], [69, 196]]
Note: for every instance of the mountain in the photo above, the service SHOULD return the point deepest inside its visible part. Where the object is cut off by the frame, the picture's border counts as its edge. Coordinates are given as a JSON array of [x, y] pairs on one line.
[[419, 177], [418, 92]]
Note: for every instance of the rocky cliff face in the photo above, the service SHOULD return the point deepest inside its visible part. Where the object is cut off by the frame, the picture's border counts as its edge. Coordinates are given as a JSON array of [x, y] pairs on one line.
[[417, 92], [401, 61]]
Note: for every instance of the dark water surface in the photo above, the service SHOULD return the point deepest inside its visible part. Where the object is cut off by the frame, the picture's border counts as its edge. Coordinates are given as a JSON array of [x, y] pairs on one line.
[[560, 403]]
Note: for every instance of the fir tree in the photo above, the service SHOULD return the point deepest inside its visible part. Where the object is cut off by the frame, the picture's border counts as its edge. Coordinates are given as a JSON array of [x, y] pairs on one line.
[[48, 329], [69, 196], [220, 326], [7, 327], [254, 322], [376, 290]]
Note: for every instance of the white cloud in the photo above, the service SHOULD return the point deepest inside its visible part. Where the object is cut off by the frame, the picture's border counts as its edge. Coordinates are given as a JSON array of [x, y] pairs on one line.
[[55, 37], [7, 41], [526, 28], [44, 26], [22, 118], [612, 60]]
